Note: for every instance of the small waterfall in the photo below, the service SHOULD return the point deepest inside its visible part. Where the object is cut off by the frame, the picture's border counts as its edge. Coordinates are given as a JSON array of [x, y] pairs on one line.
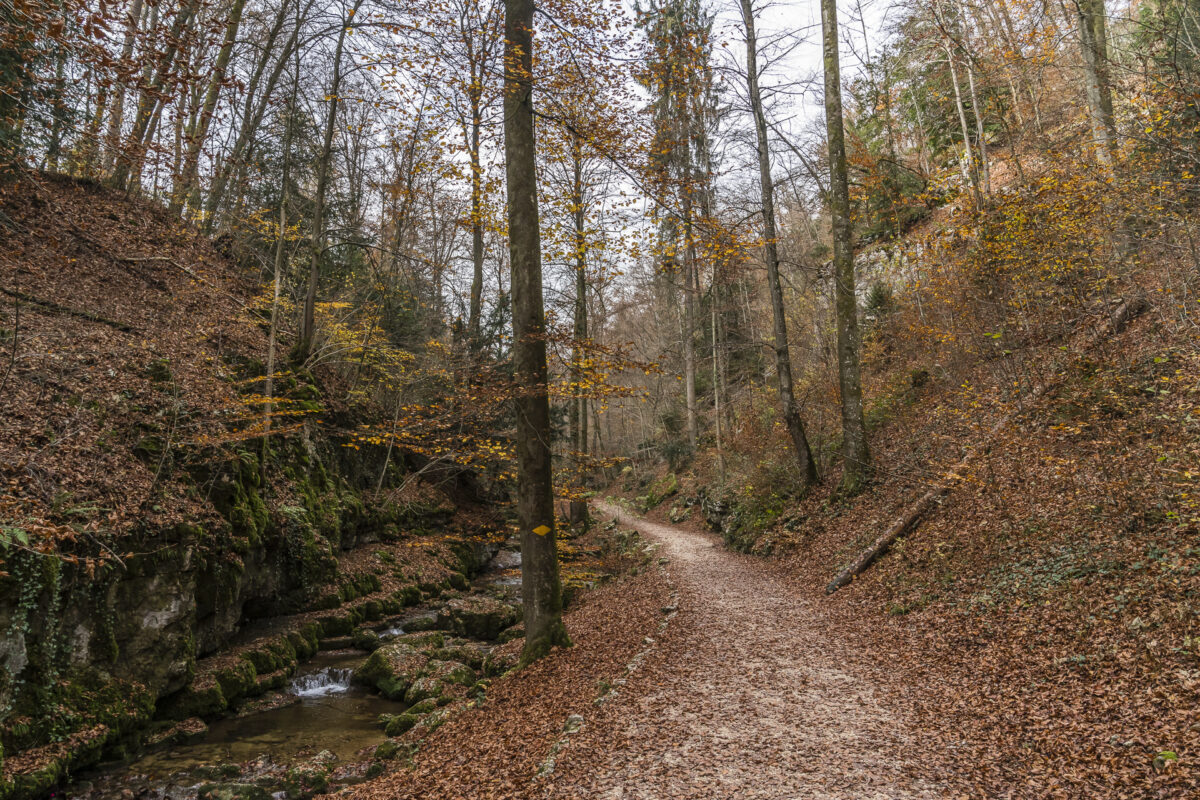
[[331, 680], [391, 633]]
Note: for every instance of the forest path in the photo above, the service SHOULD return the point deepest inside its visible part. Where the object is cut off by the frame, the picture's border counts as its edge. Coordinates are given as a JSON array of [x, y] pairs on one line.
[[749, 693]]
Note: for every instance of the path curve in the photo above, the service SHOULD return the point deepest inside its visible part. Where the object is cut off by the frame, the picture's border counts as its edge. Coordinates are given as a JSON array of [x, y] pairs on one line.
[[749, 693]]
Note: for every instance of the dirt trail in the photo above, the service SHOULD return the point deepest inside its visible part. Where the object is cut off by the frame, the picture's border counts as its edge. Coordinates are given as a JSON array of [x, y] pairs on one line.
[[749, 693]]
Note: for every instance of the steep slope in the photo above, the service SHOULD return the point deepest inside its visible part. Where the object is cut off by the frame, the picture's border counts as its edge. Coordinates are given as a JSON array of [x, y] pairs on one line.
[[144, 524], [1047, 600]]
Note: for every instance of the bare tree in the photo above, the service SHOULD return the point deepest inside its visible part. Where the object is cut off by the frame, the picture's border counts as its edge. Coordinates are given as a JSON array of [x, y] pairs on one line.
[[856, 456], [783, 360]]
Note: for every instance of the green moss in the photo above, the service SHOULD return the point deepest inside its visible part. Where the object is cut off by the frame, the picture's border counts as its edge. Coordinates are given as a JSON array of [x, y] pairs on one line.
[[408, 595], [401, 723], [386, 751], [366, 639]]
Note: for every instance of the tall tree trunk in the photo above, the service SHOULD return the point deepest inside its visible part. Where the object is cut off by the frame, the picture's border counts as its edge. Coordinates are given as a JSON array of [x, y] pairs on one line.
[[718, 384], [976, 107], [198, 132], [689, 273], [578, 408], [783, 360], [541, 590], [129, 163], [475, 318], [112, 138], [253, 112], [1093, 44], [280, 266], [856, 457], [308, 326], [970, 175]]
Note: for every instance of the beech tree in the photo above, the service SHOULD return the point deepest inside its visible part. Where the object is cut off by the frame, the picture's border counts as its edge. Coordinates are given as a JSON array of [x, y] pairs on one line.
[[783, 359], [541, 589]]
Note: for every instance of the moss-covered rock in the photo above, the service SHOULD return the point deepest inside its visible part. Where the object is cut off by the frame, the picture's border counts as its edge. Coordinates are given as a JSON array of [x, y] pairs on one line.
[[424, 687], [422, 640], [423, 707], [398, 724], [409, 595], [366, 639], [386, 751], [232, 791], [479, 617], [450, 672], [311, 777], [237, 680], [392, 669], [203, 698], [472, 654], [500, 661]]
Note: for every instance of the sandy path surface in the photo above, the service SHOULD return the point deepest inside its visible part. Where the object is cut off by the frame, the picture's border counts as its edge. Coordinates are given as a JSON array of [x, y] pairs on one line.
[[749, 692]]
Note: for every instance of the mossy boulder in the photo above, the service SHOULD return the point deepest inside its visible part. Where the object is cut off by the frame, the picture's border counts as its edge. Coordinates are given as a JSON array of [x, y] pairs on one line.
[[408, 595], [477, 617], [311, 777], [439, 679], [397, 724], [450, 672], [367, 639], [392, 669], [232, 791], [425, 687], [423, 707], [203, 698], [387, 751], [500, 661], [423, 640], [422, 624], [237, 680], [471, 653]]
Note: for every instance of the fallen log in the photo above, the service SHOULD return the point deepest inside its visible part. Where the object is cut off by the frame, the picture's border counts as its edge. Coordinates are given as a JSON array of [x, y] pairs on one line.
[[1116, 322]]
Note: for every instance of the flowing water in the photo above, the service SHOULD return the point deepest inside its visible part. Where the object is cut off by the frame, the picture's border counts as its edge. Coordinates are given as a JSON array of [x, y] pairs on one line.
[[321, 710], [331, 680], [324, 712]]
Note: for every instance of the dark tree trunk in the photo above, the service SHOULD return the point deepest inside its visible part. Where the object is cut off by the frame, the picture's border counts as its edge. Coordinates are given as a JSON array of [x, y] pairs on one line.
[[308, 327], [855, 454], [541, 589], [475, 320], [578, 409], [783, 360]]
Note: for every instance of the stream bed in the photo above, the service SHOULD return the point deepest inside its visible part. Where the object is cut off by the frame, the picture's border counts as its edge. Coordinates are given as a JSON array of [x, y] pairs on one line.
[[321, 712], [320, 716]]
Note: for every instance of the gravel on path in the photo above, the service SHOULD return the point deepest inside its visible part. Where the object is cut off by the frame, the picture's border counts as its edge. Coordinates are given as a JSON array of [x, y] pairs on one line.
[[751, 692]]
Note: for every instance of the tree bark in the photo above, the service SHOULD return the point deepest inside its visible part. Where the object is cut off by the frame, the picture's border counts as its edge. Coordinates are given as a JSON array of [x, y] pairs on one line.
[[689, 279], [475, 318], [116, 116], [188, 186], [541, 590], [1093, 44], [253, 112], [129, 163], [783, 360], [308, 327], [578, 409], [856, 456]]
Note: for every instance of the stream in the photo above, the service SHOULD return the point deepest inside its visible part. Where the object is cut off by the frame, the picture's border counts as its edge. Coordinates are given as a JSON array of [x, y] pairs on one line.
[[320, 714]]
